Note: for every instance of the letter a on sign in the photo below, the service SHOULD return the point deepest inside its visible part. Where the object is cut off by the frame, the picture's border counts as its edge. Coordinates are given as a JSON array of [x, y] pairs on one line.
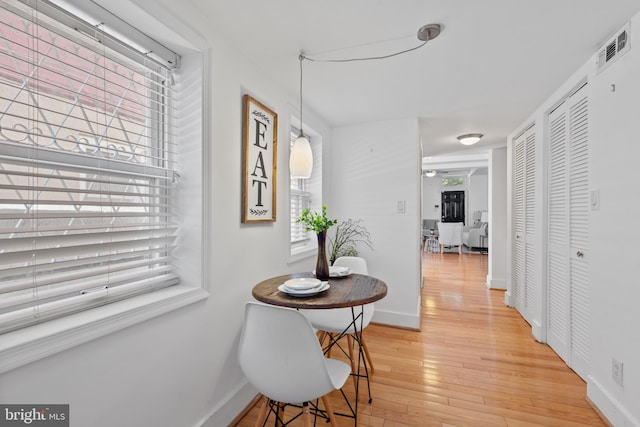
[[259, 171]]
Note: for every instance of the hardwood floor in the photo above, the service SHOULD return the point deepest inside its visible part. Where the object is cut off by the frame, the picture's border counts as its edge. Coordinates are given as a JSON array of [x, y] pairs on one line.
[[473, 364]]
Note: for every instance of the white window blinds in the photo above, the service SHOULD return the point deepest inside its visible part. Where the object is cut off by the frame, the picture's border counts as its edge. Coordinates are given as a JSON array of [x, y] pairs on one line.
[[87, 159]]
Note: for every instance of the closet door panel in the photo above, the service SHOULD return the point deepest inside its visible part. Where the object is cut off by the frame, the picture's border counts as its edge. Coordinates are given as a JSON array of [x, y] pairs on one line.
[[558, 292], [579, 231], [532, 289], [519, 264]]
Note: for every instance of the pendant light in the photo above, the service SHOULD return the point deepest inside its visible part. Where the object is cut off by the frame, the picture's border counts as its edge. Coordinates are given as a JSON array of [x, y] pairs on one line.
[[301, 157]]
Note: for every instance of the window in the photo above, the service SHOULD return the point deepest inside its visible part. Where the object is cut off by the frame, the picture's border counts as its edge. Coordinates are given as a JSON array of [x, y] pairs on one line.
[[300, 199], [305, 193], [449, 182], [87, 168]]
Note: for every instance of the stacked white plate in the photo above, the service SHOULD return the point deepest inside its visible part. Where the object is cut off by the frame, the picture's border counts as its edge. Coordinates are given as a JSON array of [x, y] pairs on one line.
[[338, 271], [303, 286]]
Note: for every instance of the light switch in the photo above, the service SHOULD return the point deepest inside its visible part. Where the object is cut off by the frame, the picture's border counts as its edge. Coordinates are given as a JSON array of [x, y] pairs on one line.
[[402, 206]]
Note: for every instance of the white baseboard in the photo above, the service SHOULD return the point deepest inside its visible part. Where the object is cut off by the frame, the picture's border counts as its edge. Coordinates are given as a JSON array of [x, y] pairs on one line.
[[538, 333], [493, 283], [608, 406], [400, 320], [508, 299], [226, 412]]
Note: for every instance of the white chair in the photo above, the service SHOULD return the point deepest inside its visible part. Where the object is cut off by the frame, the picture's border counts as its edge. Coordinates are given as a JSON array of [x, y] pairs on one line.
[[333, 322], [450, 234], [280, 354]]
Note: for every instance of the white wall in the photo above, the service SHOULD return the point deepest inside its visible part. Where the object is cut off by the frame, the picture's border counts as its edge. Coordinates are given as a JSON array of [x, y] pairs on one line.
[[614, 236], [497, 185], [614, 150], [431, 197], [373, 166], [477, 195], [180, 369]]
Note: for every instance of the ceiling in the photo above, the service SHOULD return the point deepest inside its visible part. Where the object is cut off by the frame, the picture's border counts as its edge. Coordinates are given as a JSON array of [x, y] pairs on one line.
[[493, 64]]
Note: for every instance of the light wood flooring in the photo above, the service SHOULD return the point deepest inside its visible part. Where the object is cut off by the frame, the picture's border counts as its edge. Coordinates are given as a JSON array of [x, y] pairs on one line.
[[473, 364]]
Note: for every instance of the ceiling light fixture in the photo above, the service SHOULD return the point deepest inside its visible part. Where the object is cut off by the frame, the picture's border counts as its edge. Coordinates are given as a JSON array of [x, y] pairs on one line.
[[430, 173], [301, 157], [470, 138]]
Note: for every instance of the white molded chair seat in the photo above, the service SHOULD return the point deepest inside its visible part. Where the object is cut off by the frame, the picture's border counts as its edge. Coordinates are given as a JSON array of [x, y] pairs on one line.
[[280, 354], [335, 321]]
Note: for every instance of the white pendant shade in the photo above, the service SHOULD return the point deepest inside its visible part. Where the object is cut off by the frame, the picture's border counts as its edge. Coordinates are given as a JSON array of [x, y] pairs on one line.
[[301, 159]]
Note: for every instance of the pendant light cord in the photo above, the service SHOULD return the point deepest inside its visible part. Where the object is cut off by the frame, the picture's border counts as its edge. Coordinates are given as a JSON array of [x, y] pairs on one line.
[[366, 58], [301, 58]]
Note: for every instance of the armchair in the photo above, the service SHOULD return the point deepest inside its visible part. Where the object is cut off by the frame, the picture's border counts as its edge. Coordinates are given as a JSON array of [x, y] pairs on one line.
[[450, 234]]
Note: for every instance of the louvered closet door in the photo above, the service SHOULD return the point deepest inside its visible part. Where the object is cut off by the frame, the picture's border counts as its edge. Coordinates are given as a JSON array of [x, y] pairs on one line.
[[568, 216], [530, 228], [579, 231], [558, 294], [524, 224], [519, 224]]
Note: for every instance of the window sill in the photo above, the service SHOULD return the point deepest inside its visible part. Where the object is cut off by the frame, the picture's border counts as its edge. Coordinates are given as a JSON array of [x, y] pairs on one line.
[[36, 342]]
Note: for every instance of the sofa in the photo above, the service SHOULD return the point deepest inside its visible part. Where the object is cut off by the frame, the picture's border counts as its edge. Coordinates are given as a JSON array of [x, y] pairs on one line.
[[475, 236]]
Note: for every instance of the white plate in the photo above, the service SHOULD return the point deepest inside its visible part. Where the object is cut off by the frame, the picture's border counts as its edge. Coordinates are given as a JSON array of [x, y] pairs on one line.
[[304, 292], [302, 283], [337, 271]]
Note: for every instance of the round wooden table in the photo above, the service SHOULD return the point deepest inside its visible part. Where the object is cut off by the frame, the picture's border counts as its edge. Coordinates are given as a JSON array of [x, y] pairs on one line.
[[349, 291]]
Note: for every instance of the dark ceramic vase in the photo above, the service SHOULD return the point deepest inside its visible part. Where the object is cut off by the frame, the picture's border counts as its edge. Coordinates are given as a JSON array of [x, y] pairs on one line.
[[322, 266]]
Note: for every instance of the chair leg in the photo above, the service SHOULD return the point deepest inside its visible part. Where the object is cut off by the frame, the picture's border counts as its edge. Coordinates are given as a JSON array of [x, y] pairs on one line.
[[264, 410], [441, 248], [306, 415], [352, 359], [366, 354], [280, 414], [327, 407], [460, 249]]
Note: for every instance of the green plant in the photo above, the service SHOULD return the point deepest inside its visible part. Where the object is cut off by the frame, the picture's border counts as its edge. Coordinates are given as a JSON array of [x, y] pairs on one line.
[[316, 221], [347, 236]]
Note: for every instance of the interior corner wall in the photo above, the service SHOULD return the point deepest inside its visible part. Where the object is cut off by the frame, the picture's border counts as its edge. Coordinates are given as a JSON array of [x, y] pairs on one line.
[[375, 169]]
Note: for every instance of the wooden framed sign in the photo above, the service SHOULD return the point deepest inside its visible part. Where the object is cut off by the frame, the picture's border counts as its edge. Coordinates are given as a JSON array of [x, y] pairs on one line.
[[260, 140]]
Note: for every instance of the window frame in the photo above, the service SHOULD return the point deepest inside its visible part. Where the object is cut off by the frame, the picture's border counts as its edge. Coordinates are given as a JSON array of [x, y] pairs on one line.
[[35, 342]]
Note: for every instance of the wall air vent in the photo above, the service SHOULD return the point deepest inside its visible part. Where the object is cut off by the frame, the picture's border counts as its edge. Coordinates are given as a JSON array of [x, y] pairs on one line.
[[614, 48]]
